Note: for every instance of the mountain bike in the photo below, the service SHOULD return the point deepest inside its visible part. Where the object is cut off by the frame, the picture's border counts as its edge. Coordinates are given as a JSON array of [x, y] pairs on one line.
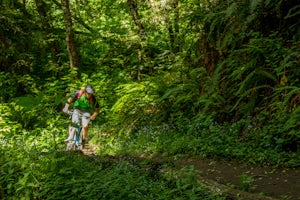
[[74, 141]]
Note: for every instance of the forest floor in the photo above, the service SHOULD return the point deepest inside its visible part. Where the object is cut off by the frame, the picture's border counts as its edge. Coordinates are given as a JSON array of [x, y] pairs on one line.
[[235, 179]]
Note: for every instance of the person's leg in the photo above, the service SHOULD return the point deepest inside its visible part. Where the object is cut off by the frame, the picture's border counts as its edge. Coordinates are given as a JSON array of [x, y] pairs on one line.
[[85, 125], [75, 120], [70, 136], [85, 132]]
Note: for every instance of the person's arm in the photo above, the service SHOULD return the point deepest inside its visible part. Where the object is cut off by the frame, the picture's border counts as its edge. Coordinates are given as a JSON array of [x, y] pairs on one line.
[[97, 109], [69, 100], [94, 115], [73, 98]]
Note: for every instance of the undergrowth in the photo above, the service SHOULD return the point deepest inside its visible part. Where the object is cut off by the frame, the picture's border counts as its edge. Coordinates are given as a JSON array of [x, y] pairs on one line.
[[71, 175], [223, 141], [34, 165]]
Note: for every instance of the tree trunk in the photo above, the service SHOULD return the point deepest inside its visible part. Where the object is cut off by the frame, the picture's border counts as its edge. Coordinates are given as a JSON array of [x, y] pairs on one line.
[[135, 16], [173, 24], [176, 25], [210, 55], [47, 28], [70, 35], [134, 13]]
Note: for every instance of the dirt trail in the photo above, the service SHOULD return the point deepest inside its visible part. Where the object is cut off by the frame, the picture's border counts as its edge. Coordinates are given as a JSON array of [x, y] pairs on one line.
[[88, 149], [264, 183], [272, 182]]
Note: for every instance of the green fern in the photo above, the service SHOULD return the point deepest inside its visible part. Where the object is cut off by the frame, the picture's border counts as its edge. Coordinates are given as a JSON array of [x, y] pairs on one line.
[[293, 12], [288, 92], [247, 93]]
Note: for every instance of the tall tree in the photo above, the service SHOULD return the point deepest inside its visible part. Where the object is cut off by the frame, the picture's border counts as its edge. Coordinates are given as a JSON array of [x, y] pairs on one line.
[[135, 15], [47, 29], [70, 35], [136, 18], [173, 25]]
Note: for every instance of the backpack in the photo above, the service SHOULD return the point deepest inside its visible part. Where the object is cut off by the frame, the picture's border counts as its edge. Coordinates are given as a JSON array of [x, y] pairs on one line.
[[80, 94]]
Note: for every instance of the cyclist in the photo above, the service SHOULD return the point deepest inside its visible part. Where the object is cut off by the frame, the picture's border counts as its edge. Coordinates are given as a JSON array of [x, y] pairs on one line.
[[85, 103]]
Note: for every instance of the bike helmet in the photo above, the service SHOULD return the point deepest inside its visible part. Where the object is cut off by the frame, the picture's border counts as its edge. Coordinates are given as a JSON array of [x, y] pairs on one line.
[[89, 89]]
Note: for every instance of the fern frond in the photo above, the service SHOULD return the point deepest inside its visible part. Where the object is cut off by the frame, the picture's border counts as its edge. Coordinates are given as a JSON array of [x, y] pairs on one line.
[[266, 74], [232, 8], [245, 83], [135, 97], [245, 94], [171, 93], [253, 4], [293, 12], [292, 90]]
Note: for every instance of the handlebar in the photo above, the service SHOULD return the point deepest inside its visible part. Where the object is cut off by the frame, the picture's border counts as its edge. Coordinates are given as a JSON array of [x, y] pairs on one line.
[[70, 112]]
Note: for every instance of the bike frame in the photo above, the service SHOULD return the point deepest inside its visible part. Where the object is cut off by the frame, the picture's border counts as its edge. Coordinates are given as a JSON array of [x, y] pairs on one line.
[[75, 130]]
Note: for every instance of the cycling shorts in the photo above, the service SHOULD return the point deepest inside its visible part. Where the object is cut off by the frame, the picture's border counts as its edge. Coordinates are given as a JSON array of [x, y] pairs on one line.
[[82, 116]]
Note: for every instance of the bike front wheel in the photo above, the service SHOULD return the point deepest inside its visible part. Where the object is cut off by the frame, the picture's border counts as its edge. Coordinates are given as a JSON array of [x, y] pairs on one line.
[[71, 143]]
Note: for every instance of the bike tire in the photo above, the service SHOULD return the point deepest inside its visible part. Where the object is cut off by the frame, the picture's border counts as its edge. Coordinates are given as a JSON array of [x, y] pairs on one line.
[[78, 140], [71, 144]]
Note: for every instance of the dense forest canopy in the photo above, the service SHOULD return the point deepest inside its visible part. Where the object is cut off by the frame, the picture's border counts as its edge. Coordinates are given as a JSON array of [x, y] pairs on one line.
[[205, 77]]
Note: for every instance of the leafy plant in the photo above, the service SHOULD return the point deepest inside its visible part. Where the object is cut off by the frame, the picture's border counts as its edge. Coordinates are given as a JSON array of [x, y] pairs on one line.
[[246, 182]]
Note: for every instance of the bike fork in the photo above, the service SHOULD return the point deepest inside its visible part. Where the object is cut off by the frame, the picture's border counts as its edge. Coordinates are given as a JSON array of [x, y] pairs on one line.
[[77, 138]]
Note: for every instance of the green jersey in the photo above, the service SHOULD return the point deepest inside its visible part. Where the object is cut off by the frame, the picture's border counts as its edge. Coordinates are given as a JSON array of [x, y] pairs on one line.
[[84, 104]]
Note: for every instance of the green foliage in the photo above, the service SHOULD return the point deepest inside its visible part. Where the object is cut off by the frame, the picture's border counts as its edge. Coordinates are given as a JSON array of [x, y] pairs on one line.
[[246, 182], [245, 140], [7, 84], [135, 104], [214, 79], [61, 175]]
